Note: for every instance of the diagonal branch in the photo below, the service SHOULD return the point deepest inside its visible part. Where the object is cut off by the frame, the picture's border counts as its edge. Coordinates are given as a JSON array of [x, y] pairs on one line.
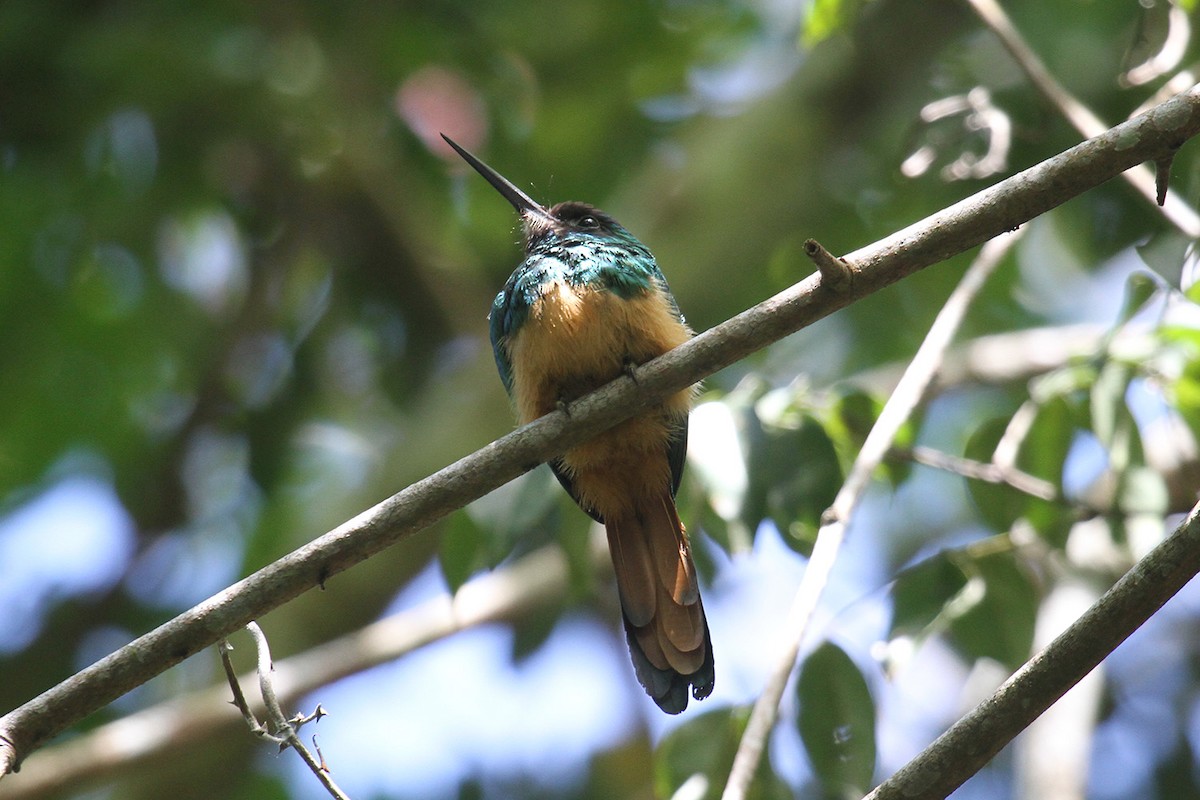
[[1148, 137], [175, 727], [898, 409], [1150, 185], [972, 741], [279, 729]]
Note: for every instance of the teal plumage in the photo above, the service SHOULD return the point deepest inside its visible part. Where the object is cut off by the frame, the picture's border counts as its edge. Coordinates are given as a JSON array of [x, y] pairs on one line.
[[578, 258], [588, 302]]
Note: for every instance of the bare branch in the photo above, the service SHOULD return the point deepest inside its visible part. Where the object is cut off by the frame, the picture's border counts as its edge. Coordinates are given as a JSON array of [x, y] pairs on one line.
[[117, 749], [896, 411], [951, 231], [988, 473], [835, 273], [1150, 184], [239, 698], [281, 730], [972, 741]]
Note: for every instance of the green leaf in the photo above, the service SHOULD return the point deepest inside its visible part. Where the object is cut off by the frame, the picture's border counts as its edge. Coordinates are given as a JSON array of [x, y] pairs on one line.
[[1164, 253], [1185, 390], [573, 535], [518, 513], [825, 18], [702, 751], [531, 629], [804, 479], [999, 506], [462, 548], [1139, 288], [1042, 454], [921, 593], [837, 721], [999, 624], [1108, 401], [854, 414]]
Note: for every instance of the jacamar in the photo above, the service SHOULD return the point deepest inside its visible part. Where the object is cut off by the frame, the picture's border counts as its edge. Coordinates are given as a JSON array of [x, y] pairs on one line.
[[587, 303]]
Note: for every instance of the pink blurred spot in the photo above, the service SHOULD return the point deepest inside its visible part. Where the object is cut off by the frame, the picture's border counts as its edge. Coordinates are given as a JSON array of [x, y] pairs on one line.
[[435, 100]]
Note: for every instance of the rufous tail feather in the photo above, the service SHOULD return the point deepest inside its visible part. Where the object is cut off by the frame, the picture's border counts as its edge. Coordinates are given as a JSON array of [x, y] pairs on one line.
[[660, 602]]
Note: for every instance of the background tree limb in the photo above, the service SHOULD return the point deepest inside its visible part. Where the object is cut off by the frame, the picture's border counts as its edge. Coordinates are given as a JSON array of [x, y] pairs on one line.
[[960, 752]]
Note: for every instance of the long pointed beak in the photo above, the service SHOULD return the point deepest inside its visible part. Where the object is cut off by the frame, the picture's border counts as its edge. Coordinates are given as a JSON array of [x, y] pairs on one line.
[[526, 206]]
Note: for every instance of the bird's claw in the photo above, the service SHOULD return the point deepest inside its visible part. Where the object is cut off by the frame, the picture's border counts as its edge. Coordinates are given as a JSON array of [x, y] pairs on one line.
[[629, 367]]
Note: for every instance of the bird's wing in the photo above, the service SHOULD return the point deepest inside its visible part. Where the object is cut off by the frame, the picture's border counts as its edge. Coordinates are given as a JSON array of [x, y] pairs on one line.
[[568, 483], [500, 325], [677, 452]]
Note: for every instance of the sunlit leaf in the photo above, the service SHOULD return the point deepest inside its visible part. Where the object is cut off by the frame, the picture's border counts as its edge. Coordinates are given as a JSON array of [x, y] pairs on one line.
[[921, 592], [999, 625], [826, 18], [718, 442], [1143, 491], [1108, 407]]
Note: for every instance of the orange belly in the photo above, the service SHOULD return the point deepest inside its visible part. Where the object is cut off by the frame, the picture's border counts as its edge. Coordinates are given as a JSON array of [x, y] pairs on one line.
[[578, 339]]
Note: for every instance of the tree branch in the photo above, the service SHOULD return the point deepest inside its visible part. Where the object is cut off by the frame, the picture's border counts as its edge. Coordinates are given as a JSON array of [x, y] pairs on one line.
[[1150, 184], [177, 726], [972, 741], [966, 224], [279, 729], [898, 409]]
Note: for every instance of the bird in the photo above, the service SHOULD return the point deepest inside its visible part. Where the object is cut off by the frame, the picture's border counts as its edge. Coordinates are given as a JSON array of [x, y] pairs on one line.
[[586, 305]]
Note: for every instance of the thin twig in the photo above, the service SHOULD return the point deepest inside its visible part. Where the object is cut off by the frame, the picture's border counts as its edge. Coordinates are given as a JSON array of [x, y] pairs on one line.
[[239, 697], [953, 230], [971, 742], [980, 471], [281, 730], [895, 413], [1018, 427], [1150, 185]]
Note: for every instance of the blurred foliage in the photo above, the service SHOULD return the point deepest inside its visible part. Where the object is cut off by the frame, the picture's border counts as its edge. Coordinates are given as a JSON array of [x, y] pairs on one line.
[[837, 722], [245, 295]]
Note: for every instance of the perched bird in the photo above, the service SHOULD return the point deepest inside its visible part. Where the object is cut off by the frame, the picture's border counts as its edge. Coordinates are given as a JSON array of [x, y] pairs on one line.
[[586, 304]]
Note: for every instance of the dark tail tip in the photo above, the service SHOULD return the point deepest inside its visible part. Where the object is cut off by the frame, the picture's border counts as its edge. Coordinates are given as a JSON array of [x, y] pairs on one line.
[[667, 688]]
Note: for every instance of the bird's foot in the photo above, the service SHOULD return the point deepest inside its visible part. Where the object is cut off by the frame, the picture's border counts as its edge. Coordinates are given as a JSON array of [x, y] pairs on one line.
[[629, 367]]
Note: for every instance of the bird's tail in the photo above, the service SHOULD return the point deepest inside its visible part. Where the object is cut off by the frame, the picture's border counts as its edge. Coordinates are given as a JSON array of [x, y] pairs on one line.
[[660, 602]]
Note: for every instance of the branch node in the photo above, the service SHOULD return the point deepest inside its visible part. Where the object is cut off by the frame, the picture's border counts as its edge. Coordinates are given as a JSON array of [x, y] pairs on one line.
[[280, 730], [836, 274], [10, 760], [1162, 176]]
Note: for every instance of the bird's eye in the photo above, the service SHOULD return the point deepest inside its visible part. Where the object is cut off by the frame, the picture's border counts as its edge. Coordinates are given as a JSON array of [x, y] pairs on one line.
[[589, 222]]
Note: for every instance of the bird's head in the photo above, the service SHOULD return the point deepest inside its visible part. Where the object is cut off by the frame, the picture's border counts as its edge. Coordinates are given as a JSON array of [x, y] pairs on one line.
[[564, 221]]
